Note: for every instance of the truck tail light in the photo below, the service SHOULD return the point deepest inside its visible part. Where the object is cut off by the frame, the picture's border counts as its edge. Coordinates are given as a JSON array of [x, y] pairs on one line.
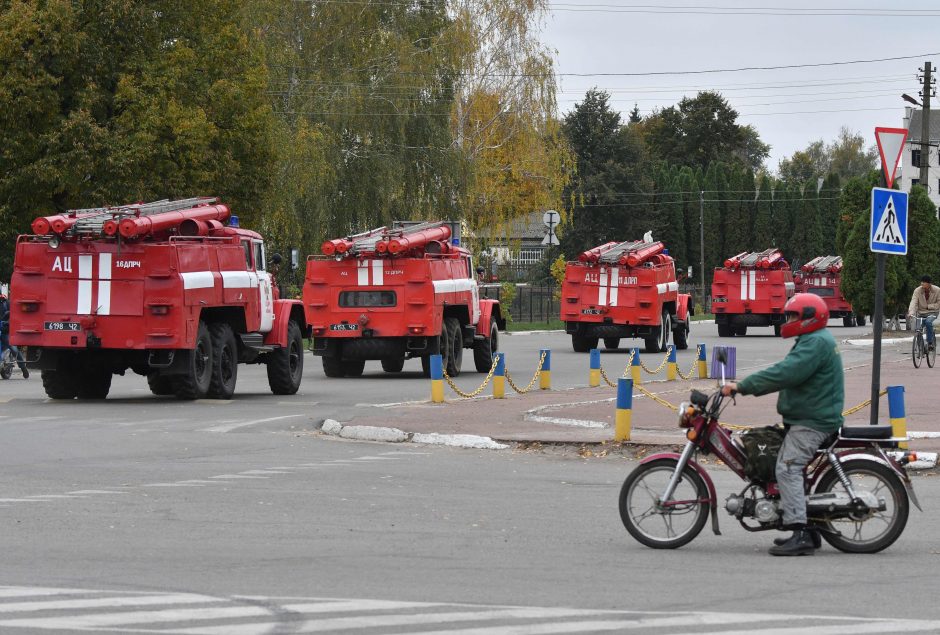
[[160, 309], [319, 330], [29, 307], [416, 329]]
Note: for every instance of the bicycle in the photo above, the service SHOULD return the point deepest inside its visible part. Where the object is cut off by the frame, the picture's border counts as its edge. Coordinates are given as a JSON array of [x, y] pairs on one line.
[[919, 348], [7, 362]]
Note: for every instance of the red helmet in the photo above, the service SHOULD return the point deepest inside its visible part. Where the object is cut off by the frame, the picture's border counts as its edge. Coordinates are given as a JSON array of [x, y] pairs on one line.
[[810, 312]]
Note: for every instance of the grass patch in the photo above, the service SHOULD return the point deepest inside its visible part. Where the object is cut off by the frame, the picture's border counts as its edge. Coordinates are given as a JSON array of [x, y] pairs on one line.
[[551, 325], [702, 316]]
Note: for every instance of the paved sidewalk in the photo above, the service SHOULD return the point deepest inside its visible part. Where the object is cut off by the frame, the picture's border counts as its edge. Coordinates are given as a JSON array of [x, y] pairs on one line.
[[586, 415]]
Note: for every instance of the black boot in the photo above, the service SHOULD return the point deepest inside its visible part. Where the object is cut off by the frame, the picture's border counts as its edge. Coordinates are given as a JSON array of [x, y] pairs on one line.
[[799, 544], [25, 372], [813, 533]]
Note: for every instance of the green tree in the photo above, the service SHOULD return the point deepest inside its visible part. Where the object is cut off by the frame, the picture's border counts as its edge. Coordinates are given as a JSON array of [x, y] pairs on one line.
[[762, 233], [670, 227], [923, 236], [701, 130], [845, 157], [807, 228]]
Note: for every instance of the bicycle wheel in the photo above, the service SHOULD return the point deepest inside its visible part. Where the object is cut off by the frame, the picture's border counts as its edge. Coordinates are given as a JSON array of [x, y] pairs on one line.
[[917, 350], [6, 364], [931, 354]]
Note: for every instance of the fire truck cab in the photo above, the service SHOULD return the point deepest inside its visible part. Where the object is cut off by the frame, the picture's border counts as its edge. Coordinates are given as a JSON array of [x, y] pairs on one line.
[[164, 289], [822, 276], [751, 290], [626, 289], [397, 293]]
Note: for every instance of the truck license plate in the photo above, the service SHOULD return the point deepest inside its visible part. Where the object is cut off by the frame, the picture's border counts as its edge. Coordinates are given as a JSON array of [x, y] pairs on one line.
[[344, 327], [590, 311], [62, 326]]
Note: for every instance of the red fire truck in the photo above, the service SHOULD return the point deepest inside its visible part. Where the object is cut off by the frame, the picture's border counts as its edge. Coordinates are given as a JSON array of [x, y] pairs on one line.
[[626, 289], [396, 293], [750, 290], [822, 276], [164, 289]]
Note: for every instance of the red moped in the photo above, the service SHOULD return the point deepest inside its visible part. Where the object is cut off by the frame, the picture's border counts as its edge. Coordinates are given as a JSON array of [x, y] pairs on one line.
[[858, 494]]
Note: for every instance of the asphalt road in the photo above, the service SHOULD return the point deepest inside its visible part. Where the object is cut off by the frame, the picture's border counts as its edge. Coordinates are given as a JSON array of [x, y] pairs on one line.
[[144, 514]]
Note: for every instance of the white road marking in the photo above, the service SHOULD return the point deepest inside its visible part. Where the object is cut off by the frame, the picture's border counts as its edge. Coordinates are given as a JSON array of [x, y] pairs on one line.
[[84, 603], [234, 426]]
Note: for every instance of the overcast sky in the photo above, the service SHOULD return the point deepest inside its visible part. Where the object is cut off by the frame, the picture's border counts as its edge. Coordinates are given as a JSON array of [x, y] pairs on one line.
[[645, 36]]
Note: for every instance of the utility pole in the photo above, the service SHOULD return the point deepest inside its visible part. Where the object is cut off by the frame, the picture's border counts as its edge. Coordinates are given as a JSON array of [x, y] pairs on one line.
[[925, 127], [701, 241]]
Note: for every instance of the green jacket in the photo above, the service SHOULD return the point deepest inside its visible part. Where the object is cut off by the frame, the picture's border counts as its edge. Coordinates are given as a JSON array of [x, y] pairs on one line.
[[810, 381]]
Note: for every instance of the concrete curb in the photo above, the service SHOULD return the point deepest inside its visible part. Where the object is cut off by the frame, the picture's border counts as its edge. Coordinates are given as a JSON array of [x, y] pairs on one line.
[[394, 435], [872, 342]]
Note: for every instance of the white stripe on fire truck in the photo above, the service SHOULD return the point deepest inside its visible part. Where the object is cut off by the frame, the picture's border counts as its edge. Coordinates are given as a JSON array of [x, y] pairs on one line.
[[790, 287], [238, 280], [744, 285], [363, 273], [378, 272], [666, 287], [104, 284], [451, 286], [614, 285], [602, 288], [84, 285], [752, 285], [198, 280]]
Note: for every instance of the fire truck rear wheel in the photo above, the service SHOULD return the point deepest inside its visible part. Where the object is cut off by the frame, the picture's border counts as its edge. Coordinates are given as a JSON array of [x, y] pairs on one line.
[[332, 366], [286, 365], [160, 384], [194, 383], [353, 367], [484, 350], [94, 384], [725, 330], [740, 331], [611, 343], [658, 342], [680, 336], [393, 364], [582, 343], [848, 320], [59, 384], [455, 338], [859, 320], [224, 361]]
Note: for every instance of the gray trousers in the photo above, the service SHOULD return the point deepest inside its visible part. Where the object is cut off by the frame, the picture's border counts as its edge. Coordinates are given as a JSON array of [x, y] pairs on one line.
[[798, 448]]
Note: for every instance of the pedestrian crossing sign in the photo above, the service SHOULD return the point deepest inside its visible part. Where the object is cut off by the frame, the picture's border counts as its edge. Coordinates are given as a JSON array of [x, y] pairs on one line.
[[888, 221]]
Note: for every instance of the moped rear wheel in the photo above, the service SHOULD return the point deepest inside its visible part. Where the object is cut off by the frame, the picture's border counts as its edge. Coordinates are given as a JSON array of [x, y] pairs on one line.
[[874, 530], [659, 525]]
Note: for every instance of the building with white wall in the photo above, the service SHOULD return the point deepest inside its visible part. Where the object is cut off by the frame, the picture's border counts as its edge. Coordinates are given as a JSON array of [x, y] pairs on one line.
[[909, 170]]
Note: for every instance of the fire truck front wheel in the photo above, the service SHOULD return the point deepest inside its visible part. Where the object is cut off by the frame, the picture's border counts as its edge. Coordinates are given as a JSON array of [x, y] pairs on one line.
[[353, 367], [680, 336], [393, 364], [332, 366], [224, 361], [286, 365], [195, 380], [59, 384]]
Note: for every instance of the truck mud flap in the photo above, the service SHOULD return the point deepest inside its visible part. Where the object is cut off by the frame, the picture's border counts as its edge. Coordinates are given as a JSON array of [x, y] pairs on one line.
[[162, 358]]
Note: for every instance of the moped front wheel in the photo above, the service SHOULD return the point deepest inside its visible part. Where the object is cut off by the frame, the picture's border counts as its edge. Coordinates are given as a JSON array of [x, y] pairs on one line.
[[663, 524], [872, 530]]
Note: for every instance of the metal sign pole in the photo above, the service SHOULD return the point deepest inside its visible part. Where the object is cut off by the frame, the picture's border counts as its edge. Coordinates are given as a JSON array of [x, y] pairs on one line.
[[878, 319]]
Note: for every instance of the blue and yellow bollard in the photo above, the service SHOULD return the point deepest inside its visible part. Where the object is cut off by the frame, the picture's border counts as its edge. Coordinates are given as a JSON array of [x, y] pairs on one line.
[[624, 409], [437, 379], [671, 366], [636, 367], [545, 378], [702, 362], [499, 377], [594, 378], [896, 413]]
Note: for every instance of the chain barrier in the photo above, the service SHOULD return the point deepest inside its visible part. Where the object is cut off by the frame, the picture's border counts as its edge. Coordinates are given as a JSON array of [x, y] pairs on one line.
[[691, 370], [626, 371], [470, 395], [538, 371], [732, 426], [662, 365]]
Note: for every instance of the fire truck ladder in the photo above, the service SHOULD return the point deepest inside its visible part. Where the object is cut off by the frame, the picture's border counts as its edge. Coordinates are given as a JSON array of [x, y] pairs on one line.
[[612, 255], [371, 239], [93, 219], [827, 261], [754, 257]]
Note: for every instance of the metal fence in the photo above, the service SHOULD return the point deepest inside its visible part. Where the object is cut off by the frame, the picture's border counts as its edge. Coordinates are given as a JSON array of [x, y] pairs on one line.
[[530, 304]]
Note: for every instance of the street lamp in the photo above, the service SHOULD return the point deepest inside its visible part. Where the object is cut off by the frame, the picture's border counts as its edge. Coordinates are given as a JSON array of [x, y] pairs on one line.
[[910, 99]]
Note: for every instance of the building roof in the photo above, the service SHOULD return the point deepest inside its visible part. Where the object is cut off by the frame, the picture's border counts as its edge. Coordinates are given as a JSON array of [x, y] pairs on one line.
[[526, 227], [914, 127]]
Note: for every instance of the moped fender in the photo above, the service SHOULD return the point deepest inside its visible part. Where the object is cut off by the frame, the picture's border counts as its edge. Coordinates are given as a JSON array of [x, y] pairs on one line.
[[709, 484], [852, 455]]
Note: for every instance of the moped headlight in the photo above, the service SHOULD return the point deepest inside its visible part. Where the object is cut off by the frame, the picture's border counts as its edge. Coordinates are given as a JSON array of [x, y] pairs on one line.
[[686, 412]]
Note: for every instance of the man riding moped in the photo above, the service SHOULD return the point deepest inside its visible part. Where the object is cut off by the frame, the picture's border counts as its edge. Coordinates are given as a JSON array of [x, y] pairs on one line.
[[812, 397]]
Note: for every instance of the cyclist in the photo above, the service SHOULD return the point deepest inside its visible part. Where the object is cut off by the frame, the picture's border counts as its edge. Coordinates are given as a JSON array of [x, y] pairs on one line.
[[812, 395], [925, 303], [5, 335]]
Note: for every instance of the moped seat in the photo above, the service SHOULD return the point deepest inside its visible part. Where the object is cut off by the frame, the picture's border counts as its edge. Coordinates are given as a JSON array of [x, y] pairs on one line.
[[866, 432]]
